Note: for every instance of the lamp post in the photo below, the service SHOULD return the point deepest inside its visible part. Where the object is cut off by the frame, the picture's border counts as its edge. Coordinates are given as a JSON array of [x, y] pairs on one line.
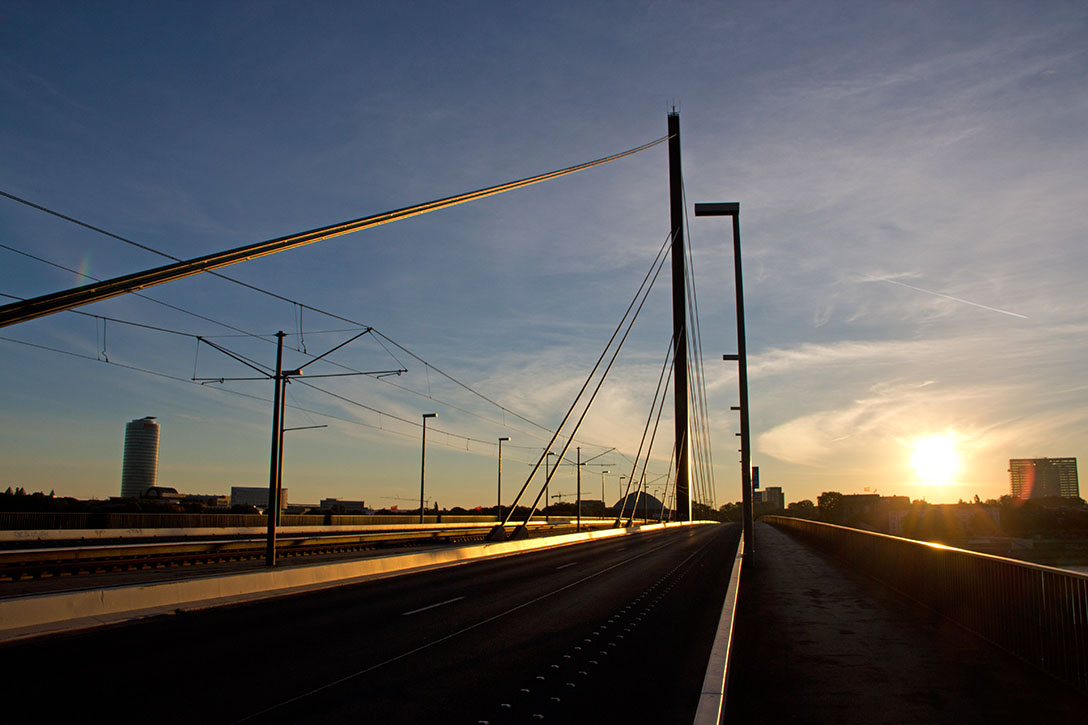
[[578, 500], [602, 491], [423, 465], [498, 500], [547, 479], [279, 483], [732, 209]]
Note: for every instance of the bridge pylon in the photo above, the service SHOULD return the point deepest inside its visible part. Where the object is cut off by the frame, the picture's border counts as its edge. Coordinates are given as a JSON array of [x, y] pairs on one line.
[[679, 322]]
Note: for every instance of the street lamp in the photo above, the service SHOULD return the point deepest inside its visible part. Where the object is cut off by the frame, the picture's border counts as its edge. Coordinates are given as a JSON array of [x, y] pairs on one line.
[[578, 504], [423, 465], [732, 209], [547, 479], [602, 491], [498, 505], [279, 484]]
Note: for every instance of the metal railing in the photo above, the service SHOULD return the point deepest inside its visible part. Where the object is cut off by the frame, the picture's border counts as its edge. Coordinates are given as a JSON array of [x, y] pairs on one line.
[[1038, 613]]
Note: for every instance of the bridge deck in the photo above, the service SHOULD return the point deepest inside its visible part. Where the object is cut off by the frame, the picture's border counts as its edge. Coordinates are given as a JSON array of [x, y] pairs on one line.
[[816, 643]]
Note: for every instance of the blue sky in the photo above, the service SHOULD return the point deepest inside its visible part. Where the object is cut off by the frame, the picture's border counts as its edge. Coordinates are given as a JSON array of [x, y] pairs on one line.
[[912, 179]]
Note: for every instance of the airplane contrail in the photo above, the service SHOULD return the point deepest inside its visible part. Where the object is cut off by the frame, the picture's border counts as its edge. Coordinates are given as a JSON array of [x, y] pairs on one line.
[[954, 299]]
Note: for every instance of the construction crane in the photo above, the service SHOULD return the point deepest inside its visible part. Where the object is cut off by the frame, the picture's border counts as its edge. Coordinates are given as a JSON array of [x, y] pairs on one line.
[[427, 504]]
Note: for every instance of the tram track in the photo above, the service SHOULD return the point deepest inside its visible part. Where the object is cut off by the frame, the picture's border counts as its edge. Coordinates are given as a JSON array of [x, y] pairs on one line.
[[75, 560]]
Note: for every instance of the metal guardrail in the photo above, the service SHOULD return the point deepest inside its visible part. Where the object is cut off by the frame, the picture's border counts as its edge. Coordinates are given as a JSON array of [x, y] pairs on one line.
[[1038, 613]]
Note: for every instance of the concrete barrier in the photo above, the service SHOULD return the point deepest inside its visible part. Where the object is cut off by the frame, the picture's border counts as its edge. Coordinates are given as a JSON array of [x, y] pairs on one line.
[[30, 535], [22, 617]]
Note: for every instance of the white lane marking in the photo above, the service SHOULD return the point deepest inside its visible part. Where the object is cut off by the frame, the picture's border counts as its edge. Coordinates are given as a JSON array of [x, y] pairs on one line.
[[431, 606], [451, 635], [565, 565]]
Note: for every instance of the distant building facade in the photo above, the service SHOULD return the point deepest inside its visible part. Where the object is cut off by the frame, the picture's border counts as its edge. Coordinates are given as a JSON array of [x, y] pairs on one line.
[[1043, 478], [772, 496], [140, 464], [254, 496], [329, 504], [875, 512], [162, 493], [214, 500]]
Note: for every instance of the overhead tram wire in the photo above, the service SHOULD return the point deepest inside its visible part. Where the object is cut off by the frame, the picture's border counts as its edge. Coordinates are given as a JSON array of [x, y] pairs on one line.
[[250, 396], [138, 294], [243, 333], [258, 398], [379, 336], [255, 363]]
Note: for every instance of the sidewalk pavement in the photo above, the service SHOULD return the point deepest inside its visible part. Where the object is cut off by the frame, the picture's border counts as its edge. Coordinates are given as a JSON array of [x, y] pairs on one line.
[[816, 643]]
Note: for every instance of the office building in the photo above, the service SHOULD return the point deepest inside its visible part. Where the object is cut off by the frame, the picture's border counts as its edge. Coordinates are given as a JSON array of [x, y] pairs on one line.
[[141, 461], [1043, 478]]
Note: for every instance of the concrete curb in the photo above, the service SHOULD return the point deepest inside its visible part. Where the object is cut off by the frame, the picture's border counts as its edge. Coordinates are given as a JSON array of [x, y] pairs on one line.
[[716, 680], [31, 616]]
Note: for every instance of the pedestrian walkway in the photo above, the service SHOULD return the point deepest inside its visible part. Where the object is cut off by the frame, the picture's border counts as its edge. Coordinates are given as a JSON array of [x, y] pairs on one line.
[[816, 643]]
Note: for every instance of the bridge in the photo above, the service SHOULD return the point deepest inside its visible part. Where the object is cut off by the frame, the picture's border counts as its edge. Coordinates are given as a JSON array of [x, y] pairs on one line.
[[680, 620], [656, 623]]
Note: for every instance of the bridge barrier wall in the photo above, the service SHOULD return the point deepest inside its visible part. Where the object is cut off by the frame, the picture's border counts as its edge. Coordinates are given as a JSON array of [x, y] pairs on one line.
[[1037, 613], [27, 520], [28, 537]]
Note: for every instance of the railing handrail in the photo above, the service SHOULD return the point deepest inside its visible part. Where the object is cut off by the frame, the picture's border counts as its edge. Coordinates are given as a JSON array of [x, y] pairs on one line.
[[1035, 612], [933, 545]]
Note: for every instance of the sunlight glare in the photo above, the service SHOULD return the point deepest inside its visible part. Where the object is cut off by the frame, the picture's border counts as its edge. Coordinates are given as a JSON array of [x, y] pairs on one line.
[[935, 459]]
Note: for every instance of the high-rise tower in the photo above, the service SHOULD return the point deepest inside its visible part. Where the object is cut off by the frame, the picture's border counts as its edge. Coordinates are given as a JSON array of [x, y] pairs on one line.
[[1044, 477], [141, 461]]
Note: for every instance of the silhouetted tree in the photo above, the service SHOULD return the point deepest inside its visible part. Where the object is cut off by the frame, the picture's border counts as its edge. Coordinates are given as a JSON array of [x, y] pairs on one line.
[[802, 510], [830, 503]]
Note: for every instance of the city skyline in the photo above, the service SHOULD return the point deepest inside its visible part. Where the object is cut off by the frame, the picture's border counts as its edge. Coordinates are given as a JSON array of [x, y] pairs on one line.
[[910, 180]]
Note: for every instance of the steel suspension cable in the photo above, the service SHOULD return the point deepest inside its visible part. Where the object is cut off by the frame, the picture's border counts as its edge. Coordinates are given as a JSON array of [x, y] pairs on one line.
[[658, 260], [658, 393], [694, 301], [604, 376], [66, 299], [649, 448]]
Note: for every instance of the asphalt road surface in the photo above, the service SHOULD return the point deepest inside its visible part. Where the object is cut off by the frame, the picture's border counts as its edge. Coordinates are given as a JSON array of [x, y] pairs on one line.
[[611, 631]]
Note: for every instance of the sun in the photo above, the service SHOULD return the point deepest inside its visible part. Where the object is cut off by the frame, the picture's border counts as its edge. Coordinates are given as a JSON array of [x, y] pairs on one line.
[[935, 459]]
